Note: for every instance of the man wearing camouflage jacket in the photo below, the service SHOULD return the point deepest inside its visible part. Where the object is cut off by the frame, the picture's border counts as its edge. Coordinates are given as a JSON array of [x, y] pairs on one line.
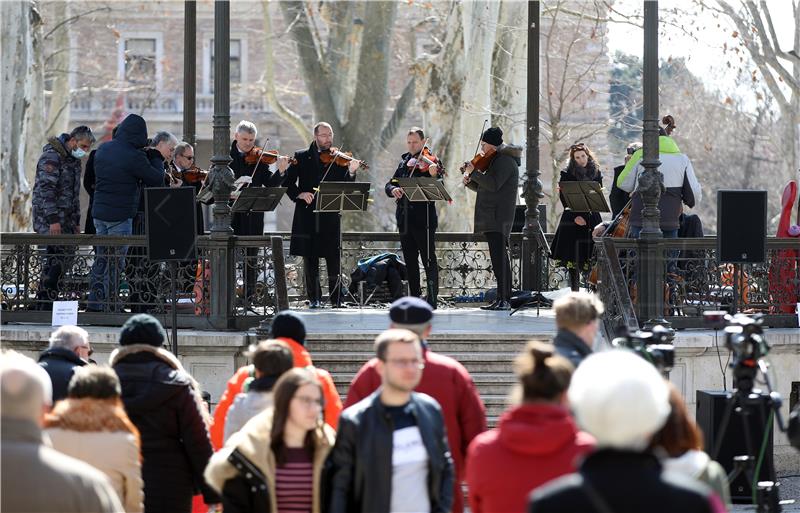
[[56, 201]]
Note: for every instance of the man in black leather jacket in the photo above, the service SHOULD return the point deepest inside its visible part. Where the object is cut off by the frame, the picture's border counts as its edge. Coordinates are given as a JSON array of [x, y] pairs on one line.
[[391, 451]]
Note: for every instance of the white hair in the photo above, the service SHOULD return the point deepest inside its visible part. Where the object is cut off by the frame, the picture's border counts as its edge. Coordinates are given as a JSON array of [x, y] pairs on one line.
[[25, 387], [246, 126], [163, 137], [68, 337], [619, 398]]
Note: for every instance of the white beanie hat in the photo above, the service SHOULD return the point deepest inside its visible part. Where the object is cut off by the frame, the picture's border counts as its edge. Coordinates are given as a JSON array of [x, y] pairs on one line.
[[619, 398]]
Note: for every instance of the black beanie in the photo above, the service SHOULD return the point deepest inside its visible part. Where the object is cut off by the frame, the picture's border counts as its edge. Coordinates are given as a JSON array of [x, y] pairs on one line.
[[142, 329], [288, 325], [493, 136]]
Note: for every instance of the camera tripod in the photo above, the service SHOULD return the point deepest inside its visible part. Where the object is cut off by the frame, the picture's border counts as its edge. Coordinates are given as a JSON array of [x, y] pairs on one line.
[[747, 402]]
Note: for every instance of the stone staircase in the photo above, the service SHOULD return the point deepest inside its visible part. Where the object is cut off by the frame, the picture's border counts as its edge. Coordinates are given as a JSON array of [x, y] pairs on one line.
[[487, 359]]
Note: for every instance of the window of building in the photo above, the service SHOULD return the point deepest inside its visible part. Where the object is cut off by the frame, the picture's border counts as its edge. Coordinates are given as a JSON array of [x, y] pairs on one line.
[[235, 65], [140, 61]]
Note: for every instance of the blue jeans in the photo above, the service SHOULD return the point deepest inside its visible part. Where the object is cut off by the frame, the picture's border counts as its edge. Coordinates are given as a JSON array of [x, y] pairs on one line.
[[104, 283], [672, 254]]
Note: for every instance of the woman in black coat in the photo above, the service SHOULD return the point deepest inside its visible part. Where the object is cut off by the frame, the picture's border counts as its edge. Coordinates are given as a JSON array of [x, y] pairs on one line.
[[572, 245], [164, 403]]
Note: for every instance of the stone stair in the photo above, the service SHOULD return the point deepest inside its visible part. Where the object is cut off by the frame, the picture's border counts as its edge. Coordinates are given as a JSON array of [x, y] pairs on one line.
[[487, 357]]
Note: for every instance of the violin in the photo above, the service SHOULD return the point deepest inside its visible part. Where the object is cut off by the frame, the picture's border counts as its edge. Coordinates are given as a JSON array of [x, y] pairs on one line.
[[424, 160], [193, 175], [268, 157], [481, 161], [339, 158]]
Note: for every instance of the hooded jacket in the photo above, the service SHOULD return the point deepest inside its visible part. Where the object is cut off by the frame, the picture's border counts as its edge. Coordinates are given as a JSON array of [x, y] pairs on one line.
[[121, 169], [163, 401], [539, 441], [497, 190], [57, 188], [680, 182]]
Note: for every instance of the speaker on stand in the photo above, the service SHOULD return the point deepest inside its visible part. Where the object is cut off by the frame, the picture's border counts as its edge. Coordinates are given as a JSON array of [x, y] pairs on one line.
[[171, 230]]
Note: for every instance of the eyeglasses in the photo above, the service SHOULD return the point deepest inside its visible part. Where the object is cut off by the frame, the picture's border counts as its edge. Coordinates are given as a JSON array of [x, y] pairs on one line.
[[579, 146], [403, 363], [309, 402]]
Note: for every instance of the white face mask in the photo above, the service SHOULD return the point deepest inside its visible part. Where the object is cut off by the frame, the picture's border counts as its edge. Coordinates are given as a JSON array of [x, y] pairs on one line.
[[78, 153]]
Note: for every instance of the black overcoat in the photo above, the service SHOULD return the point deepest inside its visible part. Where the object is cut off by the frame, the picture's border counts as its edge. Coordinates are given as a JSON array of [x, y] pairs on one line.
[[412, 214], [574, 243], [313, 234], [252, 223]]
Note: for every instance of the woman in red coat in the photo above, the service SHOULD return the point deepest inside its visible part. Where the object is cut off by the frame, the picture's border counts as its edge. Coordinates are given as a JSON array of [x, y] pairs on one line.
[[537, 439]]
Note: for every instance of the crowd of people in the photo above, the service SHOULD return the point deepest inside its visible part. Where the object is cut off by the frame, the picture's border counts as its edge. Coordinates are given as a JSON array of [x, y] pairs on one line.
[[584, 431]]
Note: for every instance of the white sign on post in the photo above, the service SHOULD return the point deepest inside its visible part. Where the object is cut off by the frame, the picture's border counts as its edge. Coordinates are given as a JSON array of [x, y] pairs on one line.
[[65, 313]]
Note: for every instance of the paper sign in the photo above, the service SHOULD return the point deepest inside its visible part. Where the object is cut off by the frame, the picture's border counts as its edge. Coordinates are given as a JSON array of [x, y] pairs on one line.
[[65, 313]]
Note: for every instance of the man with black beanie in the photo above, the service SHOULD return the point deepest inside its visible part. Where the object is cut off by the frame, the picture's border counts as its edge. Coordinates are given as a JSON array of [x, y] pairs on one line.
[[495, 205], [164, 403]]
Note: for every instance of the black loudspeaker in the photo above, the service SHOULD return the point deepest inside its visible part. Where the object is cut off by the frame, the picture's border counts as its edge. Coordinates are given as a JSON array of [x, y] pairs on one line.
[[711, 406], [741, 226], [519, 218], [170, 223]]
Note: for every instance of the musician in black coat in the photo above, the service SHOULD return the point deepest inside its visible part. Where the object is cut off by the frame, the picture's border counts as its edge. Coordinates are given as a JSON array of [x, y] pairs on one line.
[[244, 161], [572, 244], [417, 221], [316, 235]]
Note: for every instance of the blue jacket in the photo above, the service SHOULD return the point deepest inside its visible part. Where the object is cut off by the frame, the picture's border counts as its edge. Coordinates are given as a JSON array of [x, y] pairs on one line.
[[121, 168]]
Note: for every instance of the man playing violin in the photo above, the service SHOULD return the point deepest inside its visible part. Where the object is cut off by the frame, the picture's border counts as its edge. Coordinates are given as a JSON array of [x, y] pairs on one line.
[[182, 163], [316, 235], [495, 205], [417, 221], [249, 171]]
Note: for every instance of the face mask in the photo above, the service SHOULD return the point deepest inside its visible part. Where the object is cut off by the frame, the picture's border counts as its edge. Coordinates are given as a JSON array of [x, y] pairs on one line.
[[78, 153]]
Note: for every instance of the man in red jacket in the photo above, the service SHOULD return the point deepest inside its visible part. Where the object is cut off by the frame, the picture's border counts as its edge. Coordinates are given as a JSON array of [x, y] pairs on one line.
[[444, 379]]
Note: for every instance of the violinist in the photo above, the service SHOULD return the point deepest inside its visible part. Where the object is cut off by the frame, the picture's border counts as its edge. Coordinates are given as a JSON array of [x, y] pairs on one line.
[[183, 173], [316, 235], [249, 171], [417, 221], [495, 179]]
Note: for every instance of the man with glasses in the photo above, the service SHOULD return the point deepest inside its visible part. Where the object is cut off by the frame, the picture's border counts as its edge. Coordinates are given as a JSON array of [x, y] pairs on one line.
[[391, 451], [182, 162], [69, 348], [444, 379]]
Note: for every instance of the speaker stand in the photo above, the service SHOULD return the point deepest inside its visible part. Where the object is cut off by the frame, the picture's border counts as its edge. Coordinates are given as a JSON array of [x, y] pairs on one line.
[[173, 266]]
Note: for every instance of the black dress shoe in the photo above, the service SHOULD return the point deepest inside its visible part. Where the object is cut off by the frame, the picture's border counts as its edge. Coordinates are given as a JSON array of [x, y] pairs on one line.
[[501, 305], [490, 306]]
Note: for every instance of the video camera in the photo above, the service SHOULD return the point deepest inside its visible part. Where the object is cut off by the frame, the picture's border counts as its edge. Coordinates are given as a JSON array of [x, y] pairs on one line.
[[651, 345], [744, 336]]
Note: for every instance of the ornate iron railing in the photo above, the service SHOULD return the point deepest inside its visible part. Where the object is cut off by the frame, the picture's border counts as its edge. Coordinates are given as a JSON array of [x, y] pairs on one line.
[[695, 283]]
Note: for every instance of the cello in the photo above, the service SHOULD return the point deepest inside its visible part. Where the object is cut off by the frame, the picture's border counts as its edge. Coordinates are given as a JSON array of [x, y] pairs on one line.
[[617, 229]]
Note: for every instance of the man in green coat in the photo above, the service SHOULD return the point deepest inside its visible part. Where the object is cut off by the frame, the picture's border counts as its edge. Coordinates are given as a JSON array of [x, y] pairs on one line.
[[495, 205]]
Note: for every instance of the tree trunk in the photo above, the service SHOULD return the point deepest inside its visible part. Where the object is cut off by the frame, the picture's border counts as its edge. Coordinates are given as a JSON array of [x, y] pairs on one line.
[[58, 67], [21, 79]]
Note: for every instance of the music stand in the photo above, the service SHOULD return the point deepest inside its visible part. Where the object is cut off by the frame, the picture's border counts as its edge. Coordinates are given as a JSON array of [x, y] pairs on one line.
[[424, 188], [584, 197], [258, 199], [338, 197]]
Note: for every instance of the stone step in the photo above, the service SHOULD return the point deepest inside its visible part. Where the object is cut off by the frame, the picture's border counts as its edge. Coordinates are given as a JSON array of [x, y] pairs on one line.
[[350, 362], [440, 346], [487, 383]]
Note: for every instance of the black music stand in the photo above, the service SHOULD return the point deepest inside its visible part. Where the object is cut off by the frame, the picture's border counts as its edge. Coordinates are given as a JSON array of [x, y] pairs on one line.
[[584, 197], [258, 199], [338, 197], [424, 188]]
